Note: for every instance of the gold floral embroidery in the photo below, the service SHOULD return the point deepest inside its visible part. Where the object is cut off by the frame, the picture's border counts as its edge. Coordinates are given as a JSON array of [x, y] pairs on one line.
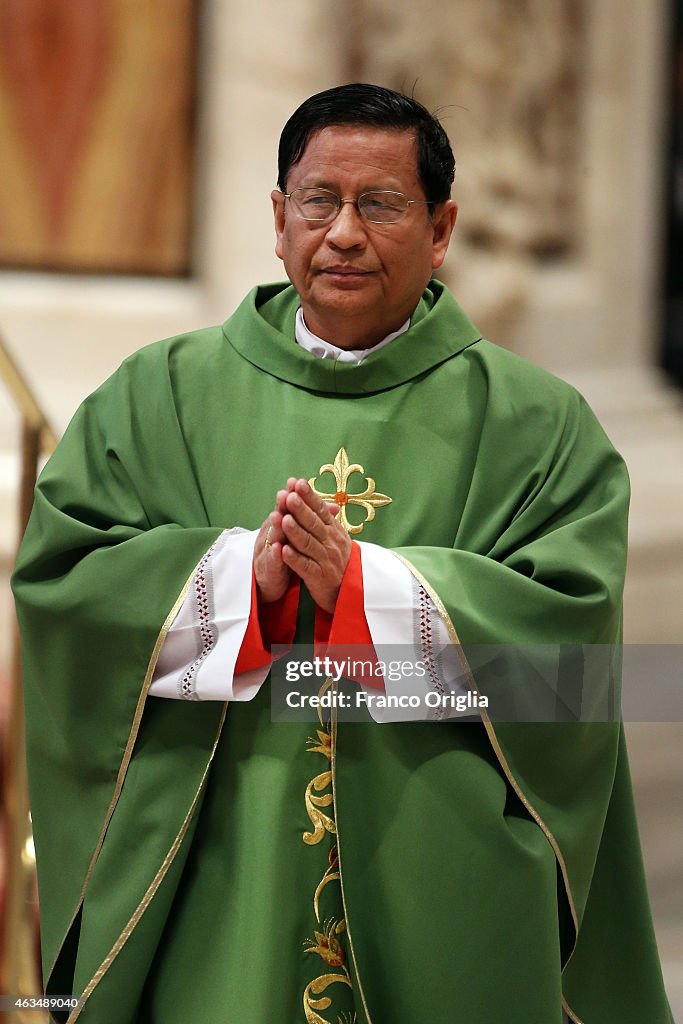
[[369, 499], [331, 875], [316, 988], [327, 946], [323, 743], [326, 943], [323, 822]]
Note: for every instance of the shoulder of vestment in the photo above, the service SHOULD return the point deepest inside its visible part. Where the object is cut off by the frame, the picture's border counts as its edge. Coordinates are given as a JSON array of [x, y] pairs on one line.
[[518, 389]]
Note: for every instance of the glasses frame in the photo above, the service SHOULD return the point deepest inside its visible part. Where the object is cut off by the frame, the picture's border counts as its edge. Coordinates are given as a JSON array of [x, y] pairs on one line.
[[354, 202]]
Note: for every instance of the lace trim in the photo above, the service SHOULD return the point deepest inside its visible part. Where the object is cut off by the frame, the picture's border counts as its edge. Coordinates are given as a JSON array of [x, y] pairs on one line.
[[425, 635], [202, 590]]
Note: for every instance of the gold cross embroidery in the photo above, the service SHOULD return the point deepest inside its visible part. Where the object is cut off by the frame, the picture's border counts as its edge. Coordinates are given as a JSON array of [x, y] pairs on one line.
[[369, 499]]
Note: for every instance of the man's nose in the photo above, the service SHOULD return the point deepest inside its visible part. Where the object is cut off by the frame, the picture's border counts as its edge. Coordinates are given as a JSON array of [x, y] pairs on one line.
[[348, 227]]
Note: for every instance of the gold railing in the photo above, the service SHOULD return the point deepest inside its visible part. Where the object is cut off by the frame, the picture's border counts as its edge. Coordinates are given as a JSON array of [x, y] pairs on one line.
[[19, 960]]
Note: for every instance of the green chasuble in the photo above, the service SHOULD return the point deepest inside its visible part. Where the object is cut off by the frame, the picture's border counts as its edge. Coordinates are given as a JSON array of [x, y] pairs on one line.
[[489, 872]]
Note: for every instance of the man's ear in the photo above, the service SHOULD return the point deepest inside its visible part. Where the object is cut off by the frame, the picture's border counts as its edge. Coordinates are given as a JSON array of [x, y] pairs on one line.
[[279, 214], [442, 226]]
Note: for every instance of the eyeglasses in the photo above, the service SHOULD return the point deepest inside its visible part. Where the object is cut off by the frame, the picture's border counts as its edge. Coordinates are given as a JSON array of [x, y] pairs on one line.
[[322, 206]]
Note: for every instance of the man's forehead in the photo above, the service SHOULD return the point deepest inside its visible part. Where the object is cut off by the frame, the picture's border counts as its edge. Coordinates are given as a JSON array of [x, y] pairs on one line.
[[346, 148]]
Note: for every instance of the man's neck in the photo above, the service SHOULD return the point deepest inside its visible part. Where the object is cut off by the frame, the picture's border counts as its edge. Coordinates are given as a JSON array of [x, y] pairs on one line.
[[324, 349], [346, 334]]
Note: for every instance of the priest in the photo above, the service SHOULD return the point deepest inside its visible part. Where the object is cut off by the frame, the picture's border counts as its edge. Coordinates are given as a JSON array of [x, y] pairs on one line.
[[346, 461]]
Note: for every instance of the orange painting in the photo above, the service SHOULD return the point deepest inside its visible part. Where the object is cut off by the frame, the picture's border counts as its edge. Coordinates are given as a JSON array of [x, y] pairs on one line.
[[96, 134]]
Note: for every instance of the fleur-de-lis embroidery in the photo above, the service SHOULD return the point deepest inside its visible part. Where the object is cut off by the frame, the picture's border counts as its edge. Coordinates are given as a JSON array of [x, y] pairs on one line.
[[369, 499]]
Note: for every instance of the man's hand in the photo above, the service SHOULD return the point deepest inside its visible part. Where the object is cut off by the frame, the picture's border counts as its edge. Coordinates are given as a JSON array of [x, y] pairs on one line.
[[272, 575], [315, 546]]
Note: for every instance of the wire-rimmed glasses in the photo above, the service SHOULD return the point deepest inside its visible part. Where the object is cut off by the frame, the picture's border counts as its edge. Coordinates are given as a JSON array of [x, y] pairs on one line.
[[378, 207]]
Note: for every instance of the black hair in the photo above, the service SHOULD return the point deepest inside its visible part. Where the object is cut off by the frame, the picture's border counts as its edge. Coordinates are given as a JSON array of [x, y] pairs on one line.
[[375, 106]]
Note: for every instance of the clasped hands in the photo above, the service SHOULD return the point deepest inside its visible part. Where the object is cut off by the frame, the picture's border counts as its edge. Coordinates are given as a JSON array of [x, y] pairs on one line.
[[303, 538]]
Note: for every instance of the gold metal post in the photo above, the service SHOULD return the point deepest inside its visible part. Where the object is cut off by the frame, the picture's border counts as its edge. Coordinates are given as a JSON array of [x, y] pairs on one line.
[[20, 970]]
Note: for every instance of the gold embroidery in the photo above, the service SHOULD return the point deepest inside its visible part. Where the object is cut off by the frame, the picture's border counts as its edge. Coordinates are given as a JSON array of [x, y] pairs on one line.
[[361, 993], [323, 743], [327, 946], [323, 822], [331, 875], [326, 943], [316, 988], [369, 499]]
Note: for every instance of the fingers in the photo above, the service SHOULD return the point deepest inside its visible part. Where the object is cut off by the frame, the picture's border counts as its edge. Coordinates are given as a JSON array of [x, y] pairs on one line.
[[304, 538], [300, 563], [309, 510], [271, 573], [321, 508], [282, 494], [325, 510], [270, 534]]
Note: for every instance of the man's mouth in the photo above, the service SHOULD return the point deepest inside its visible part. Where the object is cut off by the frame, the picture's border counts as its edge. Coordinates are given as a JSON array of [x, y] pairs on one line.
[[346, 271]]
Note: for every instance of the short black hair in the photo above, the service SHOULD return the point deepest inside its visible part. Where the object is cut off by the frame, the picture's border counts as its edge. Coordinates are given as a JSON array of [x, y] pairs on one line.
[[362, 103]]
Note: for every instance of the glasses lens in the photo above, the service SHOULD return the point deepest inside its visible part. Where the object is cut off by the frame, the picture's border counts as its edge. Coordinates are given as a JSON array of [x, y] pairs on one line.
[[383, 207], [315, 203]]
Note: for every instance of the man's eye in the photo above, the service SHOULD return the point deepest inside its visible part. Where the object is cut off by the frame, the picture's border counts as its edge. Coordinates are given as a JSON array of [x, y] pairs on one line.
[[381, 206], [318, 201]]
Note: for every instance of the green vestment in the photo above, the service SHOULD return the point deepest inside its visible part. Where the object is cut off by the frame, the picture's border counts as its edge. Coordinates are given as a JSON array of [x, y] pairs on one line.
[[174, 885]]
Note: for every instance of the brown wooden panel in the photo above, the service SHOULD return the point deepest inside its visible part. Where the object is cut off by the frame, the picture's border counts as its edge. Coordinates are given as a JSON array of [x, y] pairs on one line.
[[96, 134]]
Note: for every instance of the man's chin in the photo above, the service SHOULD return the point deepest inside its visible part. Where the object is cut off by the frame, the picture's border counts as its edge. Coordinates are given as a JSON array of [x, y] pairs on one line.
[[347, 281], [356, 295]]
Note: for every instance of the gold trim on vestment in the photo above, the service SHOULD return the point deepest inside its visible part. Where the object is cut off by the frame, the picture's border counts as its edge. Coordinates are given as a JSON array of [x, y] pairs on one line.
[[493, 739], [326, 944], [568, 1010], [125, 760], [333, 734], [153, 886]]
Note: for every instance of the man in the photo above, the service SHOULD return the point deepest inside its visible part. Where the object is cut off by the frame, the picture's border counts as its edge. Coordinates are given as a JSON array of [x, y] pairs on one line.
[[203, 866]]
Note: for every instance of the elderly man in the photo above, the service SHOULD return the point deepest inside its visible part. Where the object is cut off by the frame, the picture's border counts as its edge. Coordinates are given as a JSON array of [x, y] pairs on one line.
[[199, 861]]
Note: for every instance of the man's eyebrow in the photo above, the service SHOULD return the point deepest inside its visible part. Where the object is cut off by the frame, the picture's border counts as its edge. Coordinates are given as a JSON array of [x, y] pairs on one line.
[[318, 183], [334, 187]]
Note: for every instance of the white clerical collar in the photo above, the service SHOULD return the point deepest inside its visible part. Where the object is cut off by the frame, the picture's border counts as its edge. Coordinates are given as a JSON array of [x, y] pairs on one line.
[[325, 350]]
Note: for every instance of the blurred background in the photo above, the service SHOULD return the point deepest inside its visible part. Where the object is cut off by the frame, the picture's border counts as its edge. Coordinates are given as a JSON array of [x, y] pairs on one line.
[[137, 153]]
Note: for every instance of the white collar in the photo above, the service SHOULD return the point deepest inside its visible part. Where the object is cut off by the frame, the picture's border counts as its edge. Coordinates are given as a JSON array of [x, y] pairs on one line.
[[325, 350]]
